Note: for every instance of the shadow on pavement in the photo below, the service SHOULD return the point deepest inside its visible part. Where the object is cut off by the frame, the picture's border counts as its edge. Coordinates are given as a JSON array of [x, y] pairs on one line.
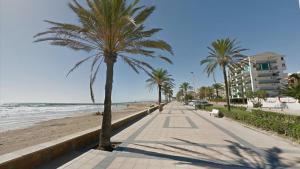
[[183, 159], [237, 155]]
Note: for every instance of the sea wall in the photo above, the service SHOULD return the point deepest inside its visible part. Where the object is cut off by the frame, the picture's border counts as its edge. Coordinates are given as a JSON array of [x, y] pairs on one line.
[[37, 155]]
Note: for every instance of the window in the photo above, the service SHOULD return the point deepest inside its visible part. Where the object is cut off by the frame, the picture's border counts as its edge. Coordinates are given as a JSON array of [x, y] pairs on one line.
[[263, 66], [282, 58], [283, 65]]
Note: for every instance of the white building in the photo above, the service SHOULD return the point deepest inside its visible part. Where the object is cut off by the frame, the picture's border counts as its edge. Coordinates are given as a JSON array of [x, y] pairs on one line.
[[264, 71]]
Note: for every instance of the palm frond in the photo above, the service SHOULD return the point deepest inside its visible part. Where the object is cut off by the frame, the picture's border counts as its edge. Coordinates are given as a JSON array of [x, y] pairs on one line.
[[159, 44], [110, 28], [78, 64]]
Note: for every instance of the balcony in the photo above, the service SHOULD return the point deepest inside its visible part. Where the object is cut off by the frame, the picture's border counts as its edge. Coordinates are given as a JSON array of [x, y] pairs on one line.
[[268, 88], [268, 81], [264, 73]]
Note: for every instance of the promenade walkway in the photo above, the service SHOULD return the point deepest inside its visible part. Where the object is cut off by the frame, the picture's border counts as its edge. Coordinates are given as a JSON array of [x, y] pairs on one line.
[[180, 137]]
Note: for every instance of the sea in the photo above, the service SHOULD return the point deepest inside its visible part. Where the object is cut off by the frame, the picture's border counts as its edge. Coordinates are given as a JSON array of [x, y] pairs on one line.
[[21, 115]]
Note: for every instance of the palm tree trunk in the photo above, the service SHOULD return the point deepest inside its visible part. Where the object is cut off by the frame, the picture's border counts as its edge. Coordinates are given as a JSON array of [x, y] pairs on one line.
[[159, 97], [185, 95], [217, 92], [106, 132], [243, 95], [226, 87]]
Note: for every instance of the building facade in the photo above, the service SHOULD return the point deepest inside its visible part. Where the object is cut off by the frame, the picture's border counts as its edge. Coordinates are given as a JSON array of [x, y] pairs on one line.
[[264, 71]]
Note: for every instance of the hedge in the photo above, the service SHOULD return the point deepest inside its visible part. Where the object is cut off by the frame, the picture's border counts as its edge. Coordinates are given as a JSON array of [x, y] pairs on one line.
[[287, 125]]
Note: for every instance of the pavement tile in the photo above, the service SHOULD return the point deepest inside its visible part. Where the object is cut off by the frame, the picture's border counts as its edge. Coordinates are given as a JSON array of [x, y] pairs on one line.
[[153, 143]]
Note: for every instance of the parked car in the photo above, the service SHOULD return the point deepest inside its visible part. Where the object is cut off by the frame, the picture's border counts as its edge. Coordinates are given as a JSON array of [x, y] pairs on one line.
[[192, 102], [202, 103]]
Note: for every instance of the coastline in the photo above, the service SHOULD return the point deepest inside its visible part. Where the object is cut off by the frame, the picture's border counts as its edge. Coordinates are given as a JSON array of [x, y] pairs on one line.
[[52, 129]]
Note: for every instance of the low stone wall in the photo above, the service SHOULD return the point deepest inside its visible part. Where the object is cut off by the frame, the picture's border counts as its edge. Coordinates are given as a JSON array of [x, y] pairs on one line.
[[279, 103], [37, 155]]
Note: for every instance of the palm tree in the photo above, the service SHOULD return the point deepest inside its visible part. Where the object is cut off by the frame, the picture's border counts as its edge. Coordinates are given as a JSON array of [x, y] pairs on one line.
[[109, 30], [223, 53], [185, 86], [167, 89], [294, 79], [179, 95], [217, 87], [292, 91], [170, 95], [205, 92], [159, 78]]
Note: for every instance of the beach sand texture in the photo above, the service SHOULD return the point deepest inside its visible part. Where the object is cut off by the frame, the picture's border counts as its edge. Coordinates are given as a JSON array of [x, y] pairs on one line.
[[54, 129]]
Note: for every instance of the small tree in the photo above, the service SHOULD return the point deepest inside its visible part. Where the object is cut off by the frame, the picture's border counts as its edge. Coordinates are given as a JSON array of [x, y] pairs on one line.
[[261, 95], [185, 86], [179, 95], [292, 91], [217, 87], [257, 97], [205, 92]]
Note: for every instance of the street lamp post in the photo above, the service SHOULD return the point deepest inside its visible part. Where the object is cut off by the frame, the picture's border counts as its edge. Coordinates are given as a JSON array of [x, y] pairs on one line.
[[194, 84]]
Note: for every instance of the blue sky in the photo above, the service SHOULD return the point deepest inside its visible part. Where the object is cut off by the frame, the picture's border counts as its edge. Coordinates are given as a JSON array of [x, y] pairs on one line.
[[35, 72]]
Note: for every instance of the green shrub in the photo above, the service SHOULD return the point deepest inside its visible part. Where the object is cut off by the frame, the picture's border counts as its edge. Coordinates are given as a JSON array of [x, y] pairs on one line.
[[257, 105], [217, 100], [201, 107], [283, 124], [240, 107]]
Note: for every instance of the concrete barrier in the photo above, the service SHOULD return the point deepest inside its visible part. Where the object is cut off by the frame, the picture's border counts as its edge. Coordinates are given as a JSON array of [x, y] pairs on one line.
[[37, 155]]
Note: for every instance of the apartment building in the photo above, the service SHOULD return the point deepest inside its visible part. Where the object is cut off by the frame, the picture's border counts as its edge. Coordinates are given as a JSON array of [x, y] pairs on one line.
[[263, 71]]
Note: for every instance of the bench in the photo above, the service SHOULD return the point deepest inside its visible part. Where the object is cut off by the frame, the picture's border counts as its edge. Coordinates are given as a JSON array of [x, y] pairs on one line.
[[214, 112]]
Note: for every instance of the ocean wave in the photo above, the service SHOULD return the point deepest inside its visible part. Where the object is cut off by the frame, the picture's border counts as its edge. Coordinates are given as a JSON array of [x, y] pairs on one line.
[[19, 115]]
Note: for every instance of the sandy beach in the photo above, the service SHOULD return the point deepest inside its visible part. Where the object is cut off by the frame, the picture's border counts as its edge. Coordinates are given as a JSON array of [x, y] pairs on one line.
[[53, 129]]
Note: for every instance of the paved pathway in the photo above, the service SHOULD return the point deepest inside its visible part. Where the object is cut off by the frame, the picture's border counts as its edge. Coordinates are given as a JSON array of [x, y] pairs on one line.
[[180, 137]]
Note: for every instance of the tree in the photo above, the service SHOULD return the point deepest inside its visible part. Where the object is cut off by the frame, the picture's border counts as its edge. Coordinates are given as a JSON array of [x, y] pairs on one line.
[[159, 78], [109, 30], [167, 90], [185, 86], [294, 79], [261, 95], [292, 91], [257, 97], [179, 95], [217, 87], [222, 53], [205, 92]]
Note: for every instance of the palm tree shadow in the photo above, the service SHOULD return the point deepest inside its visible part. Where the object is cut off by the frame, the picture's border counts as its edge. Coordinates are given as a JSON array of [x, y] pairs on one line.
[[183, 159], [241, 157], [271, 158]]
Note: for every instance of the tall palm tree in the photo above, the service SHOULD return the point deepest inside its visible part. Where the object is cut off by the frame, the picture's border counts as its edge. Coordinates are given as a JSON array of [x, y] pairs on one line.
[[217, 87], [222, 53], [167, 89], [179, 95], [109, 30], [159, 78], [185, 86]]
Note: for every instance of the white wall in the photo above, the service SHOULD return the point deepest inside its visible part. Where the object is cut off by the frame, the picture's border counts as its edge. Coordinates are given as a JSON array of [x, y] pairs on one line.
[[276, 102]]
